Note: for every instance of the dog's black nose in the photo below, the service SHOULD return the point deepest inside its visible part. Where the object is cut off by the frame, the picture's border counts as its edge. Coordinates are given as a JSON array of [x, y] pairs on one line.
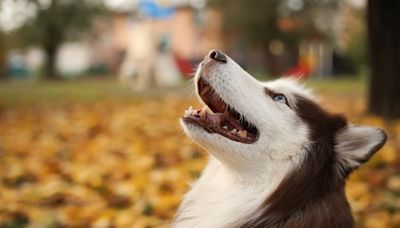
[[218, 55]]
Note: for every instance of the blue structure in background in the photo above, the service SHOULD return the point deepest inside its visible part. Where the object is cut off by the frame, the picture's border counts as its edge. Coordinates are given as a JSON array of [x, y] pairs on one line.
[[151, 9], [16, 67]]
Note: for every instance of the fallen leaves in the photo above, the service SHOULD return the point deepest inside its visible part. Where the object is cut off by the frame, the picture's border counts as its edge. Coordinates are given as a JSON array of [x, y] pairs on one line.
[[128, 164], [101, 164]]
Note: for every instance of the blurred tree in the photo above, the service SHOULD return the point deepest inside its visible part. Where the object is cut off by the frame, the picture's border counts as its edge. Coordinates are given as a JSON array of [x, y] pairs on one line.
[[55, 22], [258, 22], [355, 40], [384, 47], [254, 20], [253, 23], [2, 55]]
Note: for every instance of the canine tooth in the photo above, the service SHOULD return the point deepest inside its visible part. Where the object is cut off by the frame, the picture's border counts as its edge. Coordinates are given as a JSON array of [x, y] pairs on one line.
[[225, 127], [205, 90], [234, 131], [242, 134], [203, 112]]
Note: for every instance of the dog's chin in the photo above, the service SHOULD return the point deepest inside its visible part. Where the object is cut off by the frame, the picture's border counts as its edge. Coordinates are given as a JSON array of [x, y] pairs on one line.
[[196, 132]]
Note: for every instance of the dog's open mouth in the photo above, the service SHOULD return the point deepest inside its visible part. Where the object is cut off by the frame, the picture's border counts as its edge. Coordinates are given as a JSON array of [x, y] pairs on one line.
[[218, 117]]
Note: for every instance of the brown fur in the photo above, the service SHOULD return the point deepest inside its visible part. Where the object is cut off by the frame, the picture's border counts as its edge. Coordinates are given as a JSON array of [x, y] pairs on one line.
[[313, 194]]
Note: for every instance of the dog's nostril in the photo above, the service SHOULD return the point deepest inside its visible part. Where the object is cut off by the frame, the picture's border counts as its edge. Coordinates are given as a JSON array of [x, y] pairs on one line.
[[218, 55]]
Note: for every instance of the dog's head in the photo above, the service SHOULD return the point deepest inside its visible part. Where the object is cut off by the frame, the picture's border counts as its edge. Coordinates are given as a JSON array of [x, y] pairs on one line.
[[246, 123]]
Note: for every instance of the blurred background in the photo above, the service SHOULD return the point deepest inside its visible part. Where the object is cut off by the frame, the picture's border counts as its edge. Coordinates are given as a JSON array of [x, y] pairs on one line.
[[91, 92]]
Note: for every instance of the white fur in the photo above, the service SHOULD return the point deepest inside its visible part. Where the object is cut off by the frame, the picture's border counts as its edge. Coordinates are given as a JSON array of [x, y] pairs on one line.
[[239, 177], [355, 143]]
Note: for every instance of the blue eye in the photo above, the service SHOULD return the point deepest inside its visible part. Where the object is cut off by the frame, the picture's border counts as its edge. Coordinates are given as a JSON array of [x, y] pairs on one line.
[[280, 98]]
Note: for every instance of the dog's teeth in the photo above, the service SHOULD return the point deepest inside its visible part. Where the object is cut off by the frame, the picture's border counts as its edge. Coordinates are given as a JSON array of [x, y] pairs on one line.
[[243, 134], [234, 131], [205, 90], [225, 127], [203, 112], [187, 113]]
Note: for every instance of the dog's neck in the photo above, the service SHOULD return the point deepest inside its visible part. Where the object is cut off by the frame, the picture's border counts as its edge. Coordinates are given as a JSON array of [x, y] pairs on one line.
[[224, 198], [309, 196]]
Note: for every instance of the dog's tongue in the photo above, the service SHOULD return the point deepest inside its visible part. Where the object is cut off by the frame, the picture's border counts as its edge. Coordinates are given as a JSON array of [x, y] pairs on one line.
[[220, 119], [216, 118]]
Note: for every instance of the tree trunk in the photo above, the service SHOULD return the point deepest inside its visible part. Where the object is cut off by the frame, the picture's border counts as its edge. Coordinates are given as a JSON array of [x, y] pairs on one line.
[[2, 65], [384, 49], [51, 71], [2, 56]]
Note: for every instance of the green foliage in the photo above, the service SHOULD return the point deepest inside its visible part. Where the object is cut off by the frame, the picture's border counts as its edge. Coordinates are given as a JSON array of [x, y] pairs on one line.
[[357, 47], [56, 22], [2, 54], [59, 21], [358, 50], [256, 21]]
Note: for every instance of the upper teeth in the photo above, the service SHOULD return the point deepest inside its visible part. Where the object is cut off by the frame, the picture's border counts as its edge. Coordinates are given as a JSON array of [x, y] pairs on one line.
[[203, 112], [205, 90], [214, 119]]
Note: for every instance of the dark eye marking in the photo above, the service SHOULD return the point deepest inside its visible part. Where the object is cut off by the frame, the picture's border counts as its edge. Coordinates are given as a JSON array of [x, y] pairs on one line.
[[277, 97]]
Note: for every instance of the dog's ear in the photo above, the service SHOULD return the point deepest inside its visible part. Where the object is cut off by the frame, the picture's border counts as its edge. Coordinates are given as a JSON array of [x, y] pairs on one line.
[[356, 145]]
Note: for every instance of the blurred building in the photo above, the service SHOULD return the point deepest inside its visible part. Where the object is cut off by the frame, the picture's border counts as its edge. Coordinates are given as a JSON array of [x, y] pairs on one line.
[[186, 28], [162, 40]]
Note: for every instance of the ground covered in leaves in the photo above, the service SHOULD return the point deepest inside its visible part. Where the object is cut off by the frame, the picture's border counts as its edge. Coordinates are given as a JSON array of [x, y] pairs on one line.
[[125, 162]]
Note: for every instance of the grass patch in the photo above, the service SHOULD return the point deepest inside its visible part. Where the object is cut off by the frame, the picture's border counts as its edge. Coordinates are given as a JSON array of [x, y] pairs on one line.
[[94, 89], [88, 89], [338, 86]]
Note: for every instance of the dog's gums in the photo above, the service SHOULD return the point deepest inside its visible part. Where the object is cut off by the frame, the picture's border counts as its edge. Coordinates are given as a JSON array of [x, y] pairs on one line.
[[218, 117]]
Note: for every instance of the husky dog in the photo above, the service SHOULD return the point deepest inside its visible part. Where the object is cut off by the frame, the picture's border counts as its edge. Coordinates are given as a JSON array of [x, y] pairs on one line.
[[277, 159]]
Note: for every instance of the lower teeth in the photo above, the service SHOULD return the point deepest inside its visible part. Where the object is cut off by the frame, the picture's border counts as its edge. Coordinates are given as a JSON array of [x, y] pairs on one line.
[[214, 119], [243, 134]]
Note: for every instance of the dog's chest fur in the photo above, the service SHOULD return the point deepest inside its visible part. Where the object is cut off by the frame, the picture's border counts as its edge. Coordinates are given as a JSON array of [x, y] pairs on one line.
[[220, 199], [293, 175]]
